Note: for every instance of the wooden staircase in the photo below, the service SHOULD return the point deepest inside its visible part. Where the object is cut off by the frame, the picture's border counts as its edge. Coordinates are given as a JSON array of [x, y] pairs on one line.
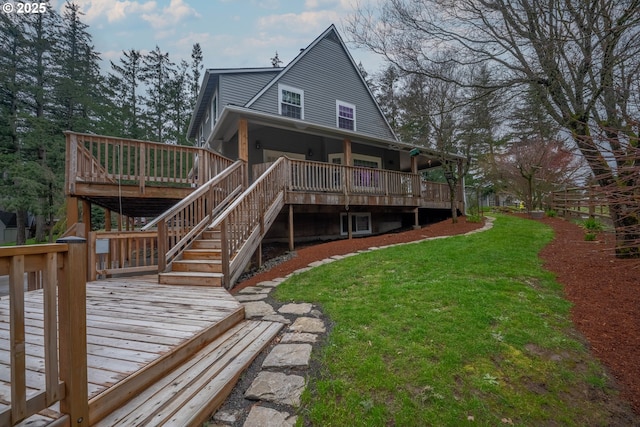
[[200, 265]]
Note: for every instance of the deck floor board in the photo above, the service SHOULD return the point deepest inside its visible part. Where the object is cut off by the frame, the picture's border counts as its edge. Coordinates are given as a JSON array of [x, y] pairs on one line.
[[131, 323]]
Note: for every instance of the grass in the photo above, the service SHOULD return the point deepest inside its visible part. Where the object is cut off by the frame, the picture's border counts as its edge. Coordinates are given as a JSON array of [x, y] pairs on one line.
[[447, 332]]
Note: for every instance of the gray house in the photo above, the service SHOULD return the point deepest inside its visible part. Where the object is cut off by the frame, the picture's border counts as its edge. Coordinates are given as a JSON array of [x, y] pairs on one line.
[[318, 109]]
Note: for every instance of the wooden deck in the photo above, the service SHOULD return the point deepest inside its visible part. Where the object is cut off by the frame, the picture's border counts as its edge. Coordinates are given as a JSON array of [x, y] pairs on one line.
[[137, 332]]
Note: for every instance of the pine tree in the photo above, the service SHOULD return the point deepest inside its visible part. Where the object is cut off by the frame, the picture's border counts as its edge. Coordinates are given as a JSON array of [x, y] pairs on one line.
[[178, 101], [156, 71], [196, 69], [124, 84]]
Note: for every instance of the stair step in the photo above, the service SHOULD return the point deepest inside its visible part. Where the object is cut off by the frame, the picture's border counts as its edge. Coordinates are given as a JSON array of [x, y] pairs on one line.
[[190, 278], [212, 235], [195, 265], [202, 254], [206, 244], [188, 395]]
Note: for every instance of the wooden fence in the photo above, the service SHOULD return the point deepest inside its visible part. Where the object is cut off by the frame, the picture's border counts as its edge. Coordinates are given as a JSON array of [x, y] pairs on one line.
[[62, 268], [580, 201]]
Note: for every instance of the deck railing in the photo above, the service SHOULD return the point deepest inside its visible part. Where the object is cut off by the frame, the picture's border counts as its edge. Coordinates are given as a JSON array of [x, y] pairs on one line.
[[122, 252], [435, 191], [63, 273], [182, 224], [243, 224], [108, 160], [327, 177]]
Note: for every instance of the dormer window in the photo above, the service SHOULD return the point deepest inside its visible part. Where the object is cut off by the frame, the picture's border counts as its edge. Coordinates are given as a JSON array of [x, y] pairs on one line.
[[291, 102], [345, 115]]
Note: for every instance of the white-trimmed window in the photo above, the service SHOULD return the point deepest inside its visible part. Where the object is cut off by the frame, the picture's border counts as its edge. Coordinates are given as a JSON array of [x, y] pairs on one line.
[[291, 102], [345, 115], [214, 109], [360, 223]]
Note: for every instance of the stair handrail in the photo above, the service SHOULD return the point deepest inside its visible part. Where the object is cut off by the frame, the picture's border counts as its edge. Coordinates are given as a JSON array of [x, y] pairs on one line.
[[186, 220], [245, 221]]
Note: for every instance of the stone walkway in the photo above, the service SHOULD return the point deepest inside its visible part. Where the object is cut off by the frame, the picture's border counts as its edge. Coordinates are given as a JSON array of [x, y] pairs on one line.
[[272, 396]]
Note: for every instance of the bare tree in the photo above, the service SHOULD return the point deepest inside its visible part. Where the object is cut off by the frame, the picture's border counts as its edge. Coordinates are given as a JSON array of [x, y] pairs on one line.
[[580, 57]]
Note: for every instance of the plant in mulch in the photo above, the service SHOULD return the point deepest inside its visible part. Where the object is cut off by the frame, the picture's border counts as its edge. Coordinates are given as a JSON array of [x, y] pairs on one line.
[[591, 228]]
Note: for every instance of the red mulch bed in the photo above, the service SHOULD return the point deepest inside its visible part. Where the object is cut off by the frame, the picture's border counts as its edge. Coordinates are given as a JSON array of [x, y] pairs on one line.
[[605, 291]]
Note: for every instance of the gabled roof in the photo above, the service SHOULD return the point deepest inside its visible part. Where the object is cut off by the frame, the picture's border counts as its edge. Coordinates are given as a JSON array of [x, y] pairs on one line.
[[329, 31], [8, 219], [210, 82]]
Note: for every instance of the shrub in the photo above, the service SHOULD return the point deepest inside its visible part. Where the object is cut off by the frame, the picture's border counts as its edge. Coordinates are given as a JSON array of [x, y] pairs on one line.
[[551, 213], [592, 225], [589, 237]]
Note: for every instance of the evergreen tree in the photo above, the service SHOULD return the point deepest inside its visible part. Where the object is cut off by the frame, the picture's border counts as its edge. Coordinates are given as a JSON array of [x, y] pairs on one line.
[[80, 85], [196, 69], [179, 103], [124, 83], [156, 71]]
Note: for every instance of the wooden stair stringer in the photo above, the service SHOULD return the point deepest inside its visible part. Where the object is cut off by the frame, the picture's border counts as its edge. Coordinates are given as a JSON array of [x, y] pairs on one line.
[[117, 395], [190, 393]]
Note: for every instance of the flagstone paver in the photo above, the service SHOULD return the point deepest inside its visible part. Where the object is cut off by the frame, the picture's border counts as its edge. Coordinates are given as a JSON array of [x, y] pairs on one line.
[[299, 309], [288, 356], [267, 417], [308, 324], [277, 387]]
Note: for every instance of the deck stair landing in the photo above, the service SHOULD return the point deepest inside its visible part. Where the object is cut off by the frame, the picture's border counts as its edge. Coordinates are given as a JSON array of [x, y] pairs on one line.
[[188, 395], [200, 265]]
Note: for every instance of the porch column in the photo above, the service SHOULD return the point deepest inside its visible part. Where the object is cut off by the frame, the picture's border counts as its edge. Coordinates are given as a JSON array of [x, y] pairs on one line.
[[414, 170], [291, 245], [107, 219], [243, 146], [346, 147], [414, 164]]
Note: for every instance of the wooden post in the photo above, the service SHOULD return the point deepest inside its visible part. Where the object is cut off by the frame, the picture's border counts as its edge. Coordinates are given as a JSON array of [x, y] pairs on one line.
[[162, 246], [72, 307], [346, 147], [72, 211], [86, 217], [416, 223], [226, 260], [291, 240], [142, 170], [17, 334], [243, 147], [91, 256], [107, 220]]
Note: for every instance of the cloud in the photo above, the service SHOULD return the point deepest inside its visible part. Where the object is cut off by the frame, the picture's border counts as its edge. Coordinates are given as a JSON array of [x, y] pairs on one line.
[[305, 22], [171, 15], [96, 10]]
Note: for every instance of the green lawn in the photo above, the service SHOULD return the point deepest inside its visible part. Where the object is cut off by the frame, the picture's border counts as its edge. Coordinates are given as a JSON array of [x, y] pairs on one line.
[[465, 330]]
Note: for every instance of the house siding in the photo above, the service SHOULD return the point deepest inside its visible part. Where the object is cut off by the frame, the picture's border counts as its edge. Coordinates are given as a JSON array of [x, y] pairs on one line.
[[238, 89], [325, 73]]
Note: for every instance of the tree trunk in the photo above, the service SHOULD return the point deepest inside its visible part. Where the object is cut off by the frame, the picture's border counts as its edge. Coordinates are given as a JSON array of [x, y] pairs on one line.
[[627, 228], [452, 200], [21, 237]]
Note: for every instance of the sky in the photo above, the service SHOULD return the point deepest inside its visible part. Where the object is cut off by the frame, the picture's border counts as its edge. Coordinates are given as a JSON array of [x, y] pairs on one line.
[[232, 33]]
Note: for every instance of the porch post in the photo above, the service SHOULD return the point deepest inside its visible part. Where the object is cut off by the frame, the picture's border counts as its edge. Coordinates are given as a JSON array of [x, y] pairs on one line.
[[291, 247], [346, 147], [243, 146]]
